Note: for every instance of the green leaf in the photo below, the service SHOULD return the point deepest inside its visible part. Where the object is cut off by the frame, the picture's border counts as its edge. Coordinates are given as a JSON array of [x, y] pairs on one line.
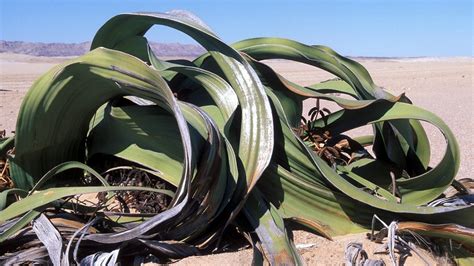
[[255, 108], [47, 196], [42, 131]]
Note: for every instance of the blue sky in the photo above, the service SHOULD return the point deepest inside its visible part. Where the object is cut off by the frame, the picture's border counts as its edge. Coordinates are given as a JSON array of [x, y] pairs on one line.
[[358, 27]]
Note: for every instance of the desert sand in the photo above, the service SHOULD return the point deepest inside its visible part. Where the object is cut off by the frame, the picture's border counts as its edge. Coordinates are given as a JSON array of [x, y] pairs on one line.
[[443, 86]]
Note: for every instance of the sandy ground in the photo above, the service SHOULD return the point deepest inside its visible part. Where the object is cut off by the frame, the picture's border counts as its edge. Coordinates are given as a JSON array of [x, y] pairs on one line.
[[315, 250], [442, 86]]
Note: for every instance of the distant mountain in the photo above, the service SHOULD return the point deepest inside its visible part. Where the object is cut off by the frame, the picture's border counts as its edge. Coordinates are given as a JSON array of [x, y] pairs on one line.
[[76, 49]]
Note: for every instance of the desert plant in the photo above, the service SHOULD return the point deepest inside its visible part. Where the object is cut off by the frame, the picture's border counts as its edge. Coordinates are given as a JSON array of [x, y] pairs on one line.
[[224, 133]]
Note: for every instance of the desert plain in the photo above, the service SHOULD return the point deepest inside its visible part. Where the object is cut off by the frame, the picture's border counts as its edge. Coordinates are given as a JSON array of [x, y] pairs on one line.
[[443, 86]]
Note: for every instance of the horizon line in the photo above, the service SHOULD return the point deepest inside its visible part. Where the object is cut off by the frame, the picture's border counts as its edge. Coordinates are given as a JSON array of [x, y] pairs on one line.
[[198, 45]]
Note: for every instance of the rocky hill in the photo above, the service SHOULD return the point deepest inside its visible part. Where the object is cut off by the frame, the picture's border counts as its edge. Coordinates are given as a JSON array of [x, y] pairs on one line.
[[75, 49]]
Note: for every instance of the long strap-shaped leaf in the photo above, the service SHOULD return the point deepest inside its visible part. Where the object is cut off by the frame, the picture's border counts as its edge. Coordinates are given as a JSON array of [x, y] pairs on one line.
[[379, 111], [254, 146], [265, 219], [42, 131], [49, 195], [401, 149], [419, 189]]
